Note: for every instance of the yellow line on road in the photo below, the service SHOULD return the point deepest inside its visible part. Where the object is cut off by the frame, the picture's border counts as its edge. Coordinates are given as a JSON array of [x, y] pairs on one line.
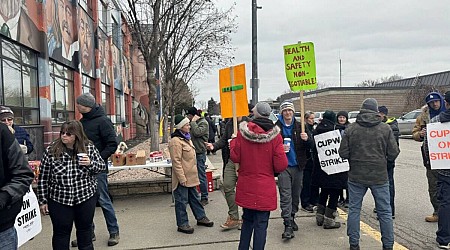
[[375, 234]]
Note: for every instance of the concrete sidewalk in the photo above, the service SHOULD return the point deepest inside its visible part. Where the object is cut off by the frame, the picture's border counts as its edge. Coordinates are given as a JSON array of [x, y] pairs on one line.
[[148, 222]]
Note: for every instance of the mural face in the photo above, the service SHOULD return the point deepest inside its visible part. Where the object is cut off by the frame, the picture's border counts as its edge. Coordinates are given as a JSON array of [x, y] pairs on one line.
[[19, 21], [86, 44], [116, 68], [62, 42], [101, 70]]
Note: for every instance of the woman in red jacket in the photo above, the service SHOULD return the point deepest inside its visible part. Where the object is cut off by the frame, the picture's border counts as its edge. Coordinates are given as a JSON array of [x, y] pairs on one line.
[[258, 149]]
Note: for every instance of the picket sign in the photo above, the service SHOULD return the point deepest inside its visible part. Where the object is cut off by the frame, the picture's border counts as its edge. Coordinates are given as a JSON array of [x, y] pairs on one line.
[[327, 145], [28, 221], [438, 137]]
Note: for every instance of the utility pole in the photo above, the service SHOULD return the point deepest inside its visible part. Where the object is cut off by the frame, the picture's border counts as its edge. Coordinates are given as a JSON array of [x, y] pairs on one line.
[[254, 82]]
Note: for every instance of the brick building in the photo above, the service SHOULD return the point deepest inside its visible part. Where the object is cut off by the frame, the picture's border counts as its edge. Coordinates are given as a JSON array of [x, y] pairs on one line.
[[391, 94], [53, 51]]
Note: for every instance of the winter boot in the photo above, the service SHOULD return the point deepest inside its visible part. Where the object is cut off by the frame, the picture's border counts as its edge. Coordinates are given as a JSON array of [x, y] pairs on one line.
[[288, 231], [330, 219], [294, 225], [319, 215]]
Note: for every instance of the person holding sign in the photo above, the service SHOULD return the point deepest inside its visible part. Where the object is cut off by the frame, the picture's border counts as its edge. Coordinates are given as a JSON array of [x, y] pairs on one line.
[[435, 105], [229, 174], [296, 146], [443, 232], [330, 184], [258, 149], [67, 186], [369, 144], [15, 181]]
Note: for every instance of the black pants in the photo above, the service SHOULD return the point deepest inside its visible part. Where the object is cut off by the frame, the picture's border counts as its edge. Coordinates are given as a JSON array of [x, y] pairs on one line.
[[331, 195], [64, 216], [309, 194]]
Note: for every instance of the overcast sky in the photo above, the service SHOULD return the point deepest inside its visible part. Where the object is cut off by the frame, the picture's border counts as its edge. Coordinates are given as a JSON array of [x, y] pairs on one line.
[[373, 39]]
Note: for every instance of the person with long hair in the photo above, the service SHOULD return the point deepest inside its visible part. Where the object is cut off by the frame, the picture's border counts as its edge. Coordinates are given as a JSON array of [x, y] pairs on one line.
[[67, 186]]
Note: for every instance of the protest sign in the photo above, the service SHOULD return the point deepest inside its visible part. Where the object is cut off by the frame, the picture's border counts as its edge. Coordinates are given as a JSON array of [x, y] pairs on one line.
[[233, 91], [327, 145], [300, 66], [28, 221], [438, 137]]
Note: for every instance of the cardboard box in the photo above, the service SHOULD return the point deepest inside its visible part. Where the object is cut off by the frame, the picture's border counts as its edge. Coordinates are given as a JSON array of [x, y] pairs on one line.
[[141, 157], [131, 159], [118, 159]]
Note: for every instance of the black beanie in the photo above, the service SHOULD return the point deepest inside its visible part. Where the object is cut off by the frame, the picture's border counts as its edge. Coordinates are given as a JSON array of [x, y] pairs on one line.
[[342, 113], [329, 115]]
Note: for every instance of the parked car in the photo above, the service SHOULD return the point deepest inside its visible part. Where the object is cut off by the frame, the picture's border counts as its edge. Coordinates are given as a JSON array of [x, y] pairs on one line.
[[406, 122], [352, 116], [318, 117], [273, 117]]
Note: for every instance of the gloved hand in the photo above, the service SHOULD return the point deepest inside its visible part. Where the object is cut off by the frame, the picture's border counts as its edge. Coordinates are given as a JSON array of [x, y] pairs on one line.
[[4, 199]]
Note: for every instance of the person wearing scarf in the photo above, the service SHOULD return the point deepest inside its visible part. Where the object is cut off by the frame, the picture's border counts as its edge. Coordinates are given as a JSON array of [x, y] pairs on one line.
[[185, 177], [435, 105]]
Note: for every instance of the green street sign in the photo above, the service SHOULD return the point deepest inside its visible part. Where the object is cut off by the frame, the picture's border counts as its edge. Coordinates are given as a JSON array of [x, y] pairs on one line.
[[300, 66]]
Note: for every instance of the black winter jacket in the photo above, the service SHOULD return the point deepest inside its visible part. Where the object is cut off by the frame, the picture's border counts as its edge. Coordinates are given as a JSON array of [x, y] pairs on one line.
[[100, 130], [15, 178], [319, 177], [222, 143]]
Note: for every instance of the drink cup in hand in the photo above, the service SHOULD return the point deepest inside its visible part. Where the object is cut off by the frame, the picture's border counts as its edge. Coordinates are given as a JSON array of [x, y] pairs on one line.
[[287, 144], [83, 159]]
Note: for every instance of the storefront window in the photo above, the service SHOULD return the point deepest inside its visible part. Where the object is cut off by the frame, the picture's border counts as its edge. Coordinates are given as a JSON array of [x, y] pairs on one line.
[[19, 82], [62, 93]]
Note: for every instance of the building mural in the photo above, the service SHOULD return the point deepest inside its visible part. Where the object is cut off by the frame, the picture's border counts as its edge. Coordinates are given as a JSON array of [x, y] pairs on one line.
[[51, 51], [22, 21]]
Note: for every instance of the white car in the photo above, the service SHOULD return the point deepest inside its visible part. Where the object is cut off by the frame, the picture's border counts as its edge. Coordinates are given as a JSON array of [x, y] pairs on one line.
[[318, 116], [352, 116]]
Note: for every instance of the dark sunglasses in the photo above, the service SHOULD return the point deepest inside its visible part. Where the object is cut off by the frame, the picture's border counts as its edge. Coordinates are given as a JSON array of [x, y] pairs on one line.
[[65, 133], [7, 119]]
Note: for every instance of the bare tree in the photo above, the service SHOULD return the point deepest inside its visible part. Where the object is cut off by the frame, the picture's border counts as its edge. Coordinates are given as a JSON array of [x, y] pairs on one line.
[[415, 98], [152, 24], [199, 44]]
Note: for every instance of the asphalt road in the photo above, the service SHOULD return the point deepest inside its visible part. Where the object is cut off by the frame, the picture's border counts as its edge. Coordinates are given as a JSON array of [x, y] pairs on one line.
[[412, 202]]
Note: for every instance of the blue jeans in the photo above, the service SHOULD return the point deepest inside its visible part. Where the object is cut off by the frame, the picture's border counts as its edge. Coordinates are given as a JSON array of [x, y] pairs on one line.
[[201, 168], [106, 204], [8, 239], [183, 196], [382, 204], [257, 222], [443, 232]]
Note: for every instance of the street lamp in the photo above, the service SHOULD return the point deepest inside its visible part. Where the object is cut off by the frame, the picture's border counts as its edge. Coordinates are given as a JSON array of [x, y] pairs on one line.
[[254, 82]]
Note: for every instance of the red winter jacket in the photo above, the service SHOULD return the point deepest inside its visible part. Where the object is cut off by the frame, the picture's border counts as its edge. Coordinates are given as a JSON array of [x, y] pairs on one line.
[[260, 154]]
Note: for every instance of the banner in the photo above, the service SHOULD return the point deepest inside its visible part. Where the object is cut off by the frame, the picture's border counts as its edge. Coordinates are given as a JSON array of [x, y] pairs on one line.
[[438, 137], [28, 221], [327, 145]]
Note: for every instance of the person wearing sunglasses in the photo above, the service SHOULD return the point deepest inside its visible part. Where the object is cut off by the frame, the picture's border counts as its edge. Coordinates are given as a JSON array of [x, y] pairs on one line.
[[22, 136], [67, 186]]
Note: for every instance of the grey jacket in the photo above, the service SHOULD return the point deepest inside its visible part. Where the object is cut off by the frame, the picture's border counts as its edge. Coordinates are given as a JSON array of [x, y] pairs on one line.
[[199, 134], [368, 144]]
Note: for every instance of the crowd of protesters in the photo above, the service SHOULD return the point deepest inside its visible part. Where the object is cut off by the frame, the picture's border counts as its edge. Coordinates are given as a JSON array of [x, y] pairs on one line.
[[73, 171]]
